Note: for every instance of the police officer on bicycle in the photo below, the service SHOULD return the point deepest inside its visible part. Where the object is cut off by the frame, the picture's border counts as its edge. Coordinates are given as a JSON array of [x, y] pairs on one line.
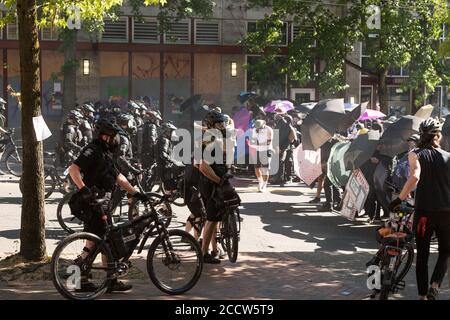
[[87, 121], [95, 169], [124, 155], [71, 143]]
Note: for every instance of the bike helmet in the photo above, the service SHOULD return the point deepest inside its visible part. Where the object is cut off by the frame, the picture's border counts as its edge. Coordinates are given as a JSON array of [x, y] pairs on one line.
[[430, 126], [132, 106], [106, 127], [153, 114], [74, 115], [213, 117], [142, 106], [167, 128], [415, 137], [88, 107]]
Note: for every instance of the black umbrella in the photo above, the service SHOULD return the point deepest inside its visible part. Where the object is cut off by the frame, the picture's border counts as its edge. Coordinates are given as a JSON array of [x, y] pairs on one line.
[[445, 142], [305, 107], [191, 103], [394, 139], [361, 149], [321, 123], [352, 116]]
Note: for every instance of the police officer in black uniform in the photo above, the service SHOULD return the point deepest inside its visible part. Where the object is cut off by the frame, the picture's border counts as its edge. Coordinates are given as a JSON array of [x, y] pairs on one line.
[[168, 167], [124, 155], [95, 168], [149, 138], [87, 121], [71, 143]]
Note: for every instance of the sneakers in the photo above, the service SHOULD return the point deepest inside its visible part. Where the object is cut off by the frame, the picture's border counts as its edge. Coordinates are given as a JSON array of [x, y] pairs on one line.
[[432, 294], [118, 286], [219, 254], [325, 207], [207, 258], [315, 200]]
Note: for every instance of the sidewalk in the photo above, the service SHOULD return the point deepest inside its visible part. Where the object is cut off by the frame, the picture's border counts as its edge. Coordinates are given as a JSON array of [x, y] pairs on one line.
[[254, 276]]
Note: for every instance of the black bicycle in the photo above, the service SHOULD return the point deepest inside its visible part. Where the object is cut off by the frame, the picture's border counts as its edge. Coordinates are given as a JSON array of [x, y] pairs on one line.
[[228, 233], [123, 208], [12, 153], [396, 253], [174, 258]]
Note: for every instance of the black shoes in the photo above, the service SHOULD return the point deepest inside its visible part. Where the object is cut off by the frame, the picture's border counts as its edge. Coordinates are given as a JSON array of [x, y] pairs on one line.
[[325, 207], [207, 258], [315, 200], [118, 286], [432, 294]]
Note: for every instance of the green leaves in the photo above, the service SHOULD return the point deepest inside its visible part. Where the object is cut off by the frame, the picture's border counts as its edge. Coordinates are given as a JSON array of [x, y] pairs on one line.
[[407, 37]]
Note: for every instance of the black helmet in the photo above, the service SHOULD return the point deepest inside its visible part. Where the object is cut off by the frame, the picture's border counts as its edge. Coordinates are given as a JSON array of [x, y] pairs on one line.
[[88, 107], [154, 114], [167, 128], [415, 137], [141, 106], [106, 127], [132, 106], [430, 126], [213, 117], [74, 114]]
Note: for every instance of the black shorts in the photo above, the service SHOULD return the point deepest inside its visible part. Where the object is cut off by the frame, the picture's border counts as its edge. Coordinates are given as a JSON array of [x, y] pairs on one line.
[[95, 224], [213, 212]]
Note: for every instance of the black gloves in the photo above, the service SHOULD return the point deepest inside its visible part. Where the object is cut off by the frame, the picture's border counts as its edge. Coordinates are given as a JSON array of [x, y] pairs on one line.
[[141, 196], [85, 193], [394, 204]]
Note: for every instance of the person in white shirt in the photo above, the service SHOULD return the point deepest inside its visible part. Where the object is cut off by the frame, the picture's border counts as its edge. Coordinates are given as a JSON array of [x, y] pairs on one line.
[[261, 140]]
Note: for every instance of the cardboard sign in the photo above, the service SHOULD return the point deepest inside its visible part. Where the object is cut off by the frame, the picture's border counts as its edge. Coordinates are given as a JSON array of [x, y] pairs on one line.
[[356, 192]]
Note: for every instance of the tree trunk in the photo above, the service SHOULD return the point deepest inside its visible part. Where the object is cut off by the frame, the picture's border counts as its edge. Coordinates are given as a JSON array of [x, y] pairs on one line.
[[32, 231], [382, 91], [69, 70]]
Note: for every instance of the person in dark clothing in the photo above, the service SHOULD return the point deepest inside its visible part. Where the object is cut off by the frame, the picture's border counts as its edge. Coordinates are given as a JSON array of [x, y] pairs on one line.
[[95, 169], [124, 154], [168, 167], [332, 194], [430, 176], [371, 207], [71, 142], [87, 122], [149, 138]]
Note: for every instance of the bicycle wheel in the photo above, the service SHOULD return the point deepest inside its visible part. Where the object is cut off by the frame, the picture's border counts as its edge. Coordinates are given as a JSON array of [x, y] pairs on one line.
[[50, 184], [229, 235], [67, 221], [164, 209], [14, 162], [386, 285], [174, 263], [405, 262], [77, 278]]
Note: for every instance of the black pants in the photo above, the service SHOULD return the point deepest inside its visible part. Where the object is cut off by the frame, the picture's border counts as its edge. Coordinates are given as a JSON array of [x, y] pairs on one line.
[[282, 165], [372, 207], [332, 194], [440, 224]]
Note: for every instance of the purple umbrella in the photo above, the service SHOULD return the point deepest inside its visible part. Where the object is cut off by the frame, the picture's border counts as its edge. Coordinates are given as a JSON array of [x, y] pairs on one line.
[[241, 119], [371, 114], [281, 105]]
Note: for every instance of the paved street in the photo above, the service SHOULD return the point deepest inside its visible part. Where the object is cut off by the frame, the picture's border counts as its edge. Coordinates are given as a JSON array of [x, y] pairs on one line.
[[288, 250]]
